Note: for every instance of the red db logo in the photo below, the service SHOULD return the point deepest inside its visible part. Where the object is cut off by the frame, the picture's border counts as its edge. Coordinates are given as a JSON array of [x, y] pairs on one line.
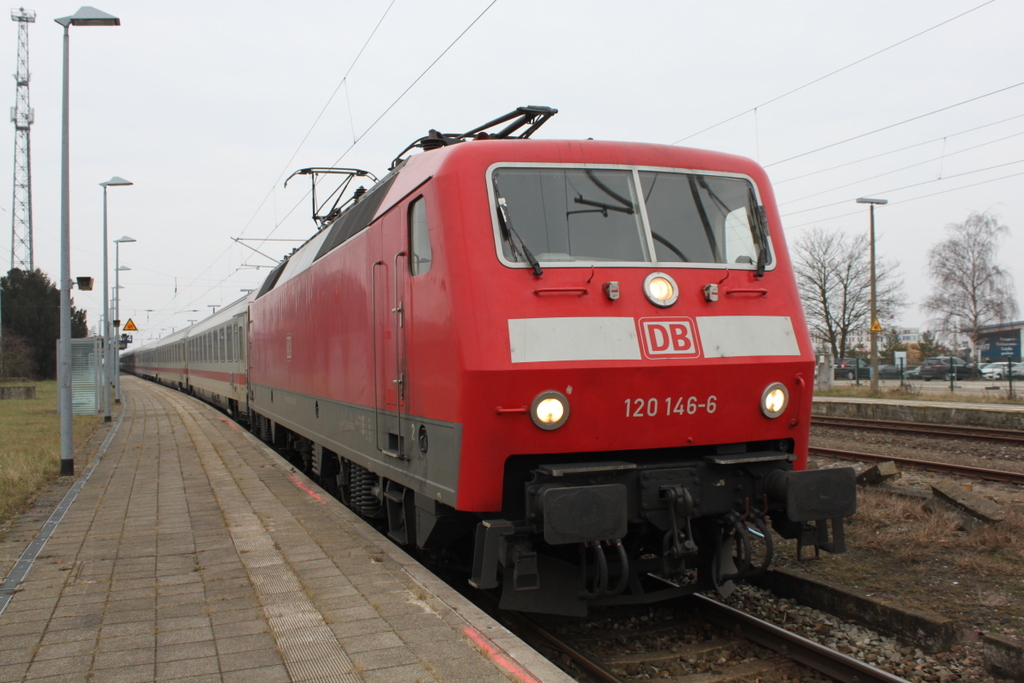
[[669, 338]]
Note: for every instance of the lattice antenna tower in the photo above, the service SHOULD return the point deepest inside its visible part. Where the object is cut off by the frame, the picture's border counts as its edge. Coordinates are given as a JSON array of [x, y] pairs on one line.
[[22, 115]]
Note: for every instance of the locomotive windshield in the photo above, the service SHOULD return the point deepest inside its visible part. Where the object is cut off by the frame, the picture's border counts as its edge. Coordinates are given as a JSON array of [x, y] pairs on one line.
[[584, 215]]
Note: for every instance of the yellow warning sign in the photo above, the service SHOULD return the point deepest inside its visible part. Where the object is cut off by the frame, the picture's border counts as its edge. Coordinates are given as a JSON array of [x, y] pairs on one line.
[[875, 327], [130, 326]]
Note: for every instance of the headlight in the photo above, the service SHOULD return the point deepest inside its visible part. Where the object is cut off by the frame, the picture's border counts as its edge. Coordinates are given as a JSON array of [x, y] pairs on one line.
[[774, 400], [549, 410], [661, 289]]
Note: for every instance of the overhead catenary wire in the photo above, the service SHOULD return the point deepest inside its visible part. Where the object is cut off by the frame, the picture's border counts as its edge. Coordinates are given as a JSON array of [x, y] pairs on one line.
[[776, 183], [391, 105], [833, 73], [898, 123], [279, 222], [900, 201], [912, 185], [942, 157]]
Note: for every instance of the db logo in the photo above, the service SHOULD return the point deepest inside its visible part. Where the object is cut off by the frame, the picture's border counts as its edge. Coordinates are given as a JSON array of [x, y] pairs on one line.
[[669, 338]]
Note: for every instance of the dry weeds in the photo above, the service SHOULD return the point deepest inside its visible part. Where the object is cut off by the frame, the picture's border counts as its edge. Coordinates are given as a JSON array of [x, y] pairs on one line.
[[933, 560], [30, 446]]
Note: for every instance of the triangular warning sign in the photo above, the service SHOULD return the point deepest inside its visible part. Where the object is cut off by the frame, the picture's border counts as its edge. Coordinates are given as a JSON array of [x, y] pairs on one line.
[[130, 326], [875, 327]]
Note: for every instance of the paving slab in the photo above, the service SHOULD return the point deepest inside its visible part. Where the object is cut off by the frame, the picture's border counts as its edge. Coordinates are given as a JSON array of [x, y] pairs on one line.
[[191, 551]]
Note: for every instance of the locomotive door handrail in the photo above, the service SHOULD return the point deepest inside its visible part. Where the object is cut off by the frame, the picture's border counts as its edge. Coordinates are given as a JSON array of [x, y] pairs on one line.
[[373, 326]]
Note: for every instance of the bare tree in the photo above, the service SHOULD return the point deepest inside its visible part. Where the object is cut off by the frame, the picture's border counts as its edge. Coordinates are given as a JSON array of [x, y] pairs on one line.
[[970, 290], [834, 277]]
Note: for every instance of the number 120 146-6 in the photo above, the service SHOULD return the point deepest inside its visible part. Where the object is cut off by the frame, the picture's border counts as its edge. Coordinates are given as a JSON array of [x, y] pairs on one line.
[[652, 407]]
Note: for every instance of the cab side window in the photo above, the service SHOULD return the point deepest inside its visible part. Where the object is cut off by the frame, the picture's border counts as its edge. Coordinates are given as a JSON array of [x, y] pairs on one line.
[[419, 238]]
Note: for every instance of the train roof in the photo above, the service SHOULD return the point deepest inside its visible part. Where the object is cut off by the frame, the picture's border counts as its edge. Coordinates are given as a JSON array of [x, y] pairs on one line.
[[226, 313]]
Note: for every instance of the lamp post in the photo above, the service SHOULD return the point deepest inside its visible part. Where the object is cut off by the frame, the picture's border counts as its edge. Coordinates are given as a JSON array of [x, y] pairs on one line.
[[86, 16], [117, 313], [116, 181], [875, 327]]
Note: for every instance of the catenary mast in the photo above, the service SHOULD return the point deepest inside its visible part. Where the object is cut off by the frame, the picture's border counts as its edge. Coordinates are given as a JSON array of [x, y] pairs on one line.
[[22, 115]]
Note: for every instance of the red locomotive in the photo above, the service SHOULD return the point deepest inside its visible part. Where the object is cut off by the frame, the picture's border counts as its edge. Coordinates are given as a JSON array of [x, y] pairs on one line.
[[581, 365]]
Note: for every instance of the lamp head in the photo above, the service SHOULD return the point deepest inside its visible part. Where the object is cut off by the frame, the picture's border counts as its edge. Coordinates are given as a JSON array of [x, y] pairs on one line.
[[868, 200], [116, 181], [89, 16], [126, 238]]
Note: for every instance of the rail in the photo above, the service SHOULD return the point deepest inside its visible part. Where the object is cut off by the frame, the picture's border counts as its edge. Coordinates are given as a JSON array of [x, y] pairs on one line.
[[807, 652], [966, 432], [927, 465], [792, 646]]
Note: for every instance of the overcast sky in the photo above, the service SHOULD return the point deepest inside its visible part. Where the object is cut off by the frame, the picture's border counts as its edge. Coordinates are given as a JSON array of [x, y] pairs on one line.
[[208, 106]]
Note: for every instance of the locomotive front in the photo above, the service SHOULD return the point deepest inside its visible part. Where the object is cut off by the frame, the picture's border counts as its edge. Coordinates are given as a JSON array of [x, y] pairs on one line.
[[636, 374]]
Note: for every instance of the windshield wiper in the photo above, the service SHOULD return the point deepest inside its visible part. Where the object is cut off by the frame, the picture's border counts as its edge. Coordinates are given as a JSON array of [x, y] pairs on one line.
[[508, 232], [702, 212], [602, 207], [763, 252], [762, 229]]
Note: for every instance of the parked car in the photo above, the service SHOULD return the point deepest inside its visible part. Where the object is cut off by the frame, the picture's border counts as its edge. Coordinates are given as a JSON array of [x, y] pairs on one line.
[[939, 368], [888, 372], [913, 373], [850, 368], [999, 370]]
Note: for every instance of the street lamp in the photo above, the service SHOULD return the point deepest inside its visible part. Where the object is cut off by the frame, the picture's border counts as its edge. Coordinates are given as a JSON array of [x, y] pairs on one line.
[[117, 312], [86, 16], [875, 327], [116, 181]]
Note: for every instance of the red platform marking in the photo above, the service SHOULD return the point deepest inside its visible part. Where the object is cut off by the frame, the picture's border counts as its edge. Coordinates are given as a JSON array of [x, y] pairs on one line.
[[231, 424], [306, 489], [510, 665]]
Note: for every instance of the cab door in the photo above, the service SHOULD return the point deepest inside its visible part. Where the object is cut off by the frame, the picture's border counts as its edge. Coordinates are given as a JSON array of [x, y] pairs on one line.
[[390, 287]]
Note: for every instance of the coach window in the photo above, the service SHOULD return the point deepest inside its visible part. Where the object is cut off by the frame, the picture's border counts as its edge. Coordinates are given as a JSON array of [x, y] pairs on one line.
[[419, 238], [229, 345]]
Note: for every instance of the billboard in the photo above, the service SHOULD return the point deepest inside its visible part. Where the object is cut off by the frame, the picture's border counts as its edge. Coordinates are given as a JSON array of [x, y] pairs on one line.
[[996, 346]]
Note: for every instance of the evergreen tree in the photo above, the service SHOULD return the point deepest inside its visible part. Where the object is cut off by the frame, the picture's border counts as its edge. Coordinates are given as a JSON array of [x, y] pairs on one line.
[[31, 311]]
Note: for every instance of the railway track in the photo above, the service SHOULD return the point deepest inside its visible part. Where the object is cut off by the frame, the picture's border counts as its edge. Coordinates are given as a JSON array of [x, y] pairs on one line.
[[1008, 435], [791, 655], [927, 465]]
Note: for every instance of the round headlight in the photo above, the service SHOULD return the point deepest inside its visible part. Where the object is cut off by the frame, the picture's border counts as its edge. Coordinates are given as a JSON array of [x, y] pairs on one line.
[[549, 410], [774, 400], [661, 289]]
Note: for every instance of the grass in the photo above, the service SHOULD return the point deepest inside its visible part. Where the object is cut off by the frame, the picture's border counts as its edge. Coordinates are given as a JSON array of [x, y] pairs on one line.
[[30, 447]]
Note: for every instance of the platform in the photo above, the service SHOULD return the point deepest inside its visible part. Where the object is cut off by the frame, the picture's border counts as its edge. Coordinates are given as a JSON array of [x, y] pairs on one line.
[[194, 553], [991, 415]]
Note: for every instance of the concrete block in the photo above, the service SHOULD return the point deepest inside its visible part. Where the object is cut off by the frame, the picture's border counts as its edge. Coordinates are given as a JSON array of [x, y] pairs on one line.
[[17, 393], [929, 631], [877, 474], [1004, 656], [977, 506]]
